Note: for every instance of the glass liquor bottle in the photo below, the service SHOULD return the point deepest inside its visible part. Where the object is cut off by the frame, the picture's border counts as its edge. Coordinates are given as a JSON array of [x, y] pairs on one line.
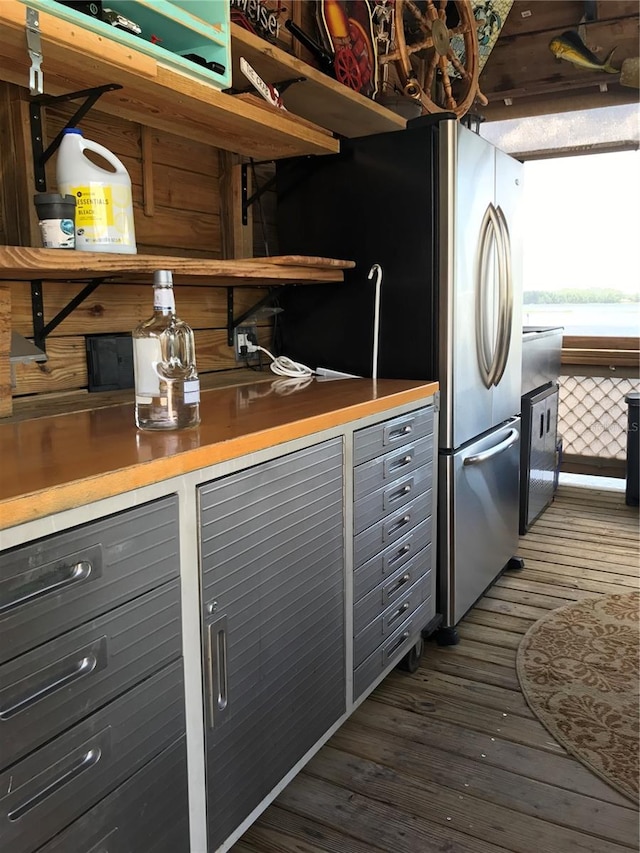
[[167, 388]]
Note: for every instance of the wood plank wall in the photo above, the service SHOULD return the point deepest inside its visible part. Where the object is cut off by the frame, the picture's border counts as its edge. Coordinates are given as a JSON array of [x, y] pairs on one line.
[[182, 206]]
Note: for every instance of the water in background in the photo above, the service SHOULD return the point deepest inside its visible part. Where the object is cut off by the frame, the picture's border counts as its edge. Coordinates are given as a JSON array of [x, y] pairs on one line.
[[615, 320]]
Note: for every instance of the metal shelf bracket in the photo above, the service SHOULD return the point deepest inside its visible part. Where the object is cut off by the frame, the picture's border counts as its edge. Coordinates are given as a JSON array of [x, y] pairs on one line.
[[40, 157], [232, 323], [42, 330], [40, 154], [247, 200]]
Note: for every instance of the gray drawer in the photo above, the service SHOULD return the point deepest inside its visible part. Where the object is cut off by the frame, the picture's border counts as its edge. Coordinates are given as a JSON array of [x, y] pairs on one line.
[[383, 469], [54, 686], [147, 814], [393, 649], [385, 436], [54, 584], [380, 567], [376, 601], [377, 537], [376, 632], [371, 508], [43, 793]]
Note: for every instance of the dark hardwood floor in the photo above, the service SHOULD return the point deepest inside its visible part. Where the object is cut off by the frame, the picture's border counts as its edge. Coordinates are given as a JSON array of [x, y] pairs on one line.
[[451, 759]]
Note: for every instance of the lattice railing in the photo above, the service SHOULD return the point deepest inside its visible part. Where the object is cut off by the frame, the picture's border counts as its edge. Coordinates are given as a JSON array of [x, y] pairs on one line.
[[592, 415]]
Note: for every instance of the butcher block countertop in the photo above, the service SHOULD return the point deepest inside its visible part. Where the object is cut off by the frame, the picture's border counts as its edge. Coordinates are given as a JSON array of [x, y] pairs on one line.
[[60, 462]]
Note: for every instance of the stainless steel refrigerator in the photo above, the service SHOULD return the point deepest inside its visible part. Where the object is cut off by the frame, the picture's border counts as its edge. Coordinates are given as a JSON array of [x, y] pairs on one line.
[[437, 207]]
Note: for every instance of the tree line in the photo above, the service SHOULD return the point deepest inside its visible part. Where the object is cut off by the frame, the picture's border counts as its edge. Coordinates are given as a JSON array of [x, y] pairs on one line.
[[596, 295]]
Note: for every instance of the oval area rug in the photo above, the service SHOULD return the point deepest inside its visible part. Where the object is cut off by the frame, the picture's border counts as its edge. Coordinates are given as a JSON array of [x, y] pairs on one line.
[[578, 667]]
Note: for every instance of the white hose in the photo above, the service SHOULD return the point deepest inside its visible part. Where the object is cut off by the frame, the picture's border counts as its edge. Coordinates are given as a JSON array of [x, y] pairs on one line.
[[376, 269]]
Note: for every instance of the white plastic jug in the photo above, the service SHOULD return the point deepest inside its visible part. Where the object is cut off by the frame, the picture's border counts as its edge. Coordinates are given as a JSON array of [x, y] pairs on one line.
[[104, 209]]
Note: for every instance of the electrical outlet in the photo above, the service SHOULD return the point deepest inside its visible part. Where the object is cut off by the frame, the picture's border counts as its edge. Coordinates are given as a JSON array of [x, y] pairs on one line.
[[240, 338]]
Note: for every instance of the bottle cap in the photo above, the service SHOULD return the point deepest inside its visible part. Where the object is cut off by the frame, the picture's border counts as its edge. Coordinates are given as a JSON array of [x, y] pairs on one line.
[[54, 198], [163, 278], [72, 130]]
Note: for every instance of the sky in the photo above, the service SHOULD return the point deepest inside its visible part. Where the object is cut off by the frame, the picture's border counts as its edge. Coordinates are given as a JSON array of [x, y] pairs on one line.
[[581, 213], [582, 222]]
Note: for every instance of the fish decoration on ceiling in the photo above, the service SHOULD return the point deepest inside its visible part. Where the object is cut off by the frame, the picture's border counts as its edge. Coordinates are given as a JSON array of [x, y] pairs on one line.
[[570, 47]]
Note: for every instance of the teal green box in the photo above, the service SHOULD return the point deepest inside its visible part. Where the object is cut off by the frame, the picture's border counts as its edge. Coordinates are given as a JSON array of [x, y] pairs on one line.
[[169, 30]]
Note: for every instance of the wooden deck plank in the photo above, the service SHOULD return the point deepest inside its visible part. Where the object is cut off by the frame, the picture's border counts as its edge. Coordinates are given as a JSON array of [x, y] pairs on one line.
[[559, 571], [490, 636], [459, 690], [383, 825], [515, 624], [451, 759], [605, 559], [282, 831], [520, 596], [566, 582], [486, 722], [452, 812], [522, 611], [475, 778], [548, 533], [510, 584], [476, 650], [466, 666], [555, 768], [577, 561], [623, 542]]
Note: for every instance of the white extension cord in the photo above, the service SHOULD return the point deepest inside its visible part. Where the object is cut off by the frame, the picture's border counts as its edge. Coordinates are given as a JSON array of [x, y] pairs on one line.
[[281, 365]]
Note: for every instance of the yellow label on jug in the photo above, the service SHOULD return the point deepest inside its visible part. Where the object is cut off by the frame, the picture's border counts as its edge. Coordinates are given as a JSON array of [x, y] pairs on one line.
[[104, 217], [94, 206]]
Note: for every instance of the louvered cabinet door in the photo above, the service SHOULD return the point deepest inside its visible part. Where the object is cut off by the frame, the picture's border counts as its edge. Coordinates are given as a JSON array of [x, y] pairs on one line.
[[272, 559]]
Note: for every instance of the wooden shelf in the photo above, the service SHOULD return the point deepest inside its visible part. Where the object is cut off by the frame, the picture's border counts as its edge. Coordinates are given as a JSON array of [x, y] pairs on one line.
[[19, 263], [152, 94], [319, 98]]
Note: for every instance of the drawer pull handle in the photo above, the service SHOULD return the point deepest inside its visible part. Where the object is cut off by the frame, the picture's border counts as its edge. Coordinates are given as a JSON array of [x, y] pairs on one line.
[[407, 429], [399, 613], [403, 581], [401, 522], [90, 758], [401, 463], [73, 574], [218, 684], [400, 493], [402, 639], [82, 667], [400, 553]]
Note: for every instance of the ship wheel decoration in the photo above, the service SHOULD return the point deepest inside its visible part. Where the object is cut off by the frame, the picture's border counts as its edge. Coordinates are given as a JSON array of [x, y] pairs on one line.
[[436, 54]]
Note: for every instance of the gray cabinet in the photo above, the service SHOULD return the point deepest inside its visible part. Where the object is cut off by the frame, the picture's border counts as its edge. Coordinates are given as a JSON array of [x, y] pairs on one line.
[[538, 453], [393, 582], [91, 682], [272, 560]]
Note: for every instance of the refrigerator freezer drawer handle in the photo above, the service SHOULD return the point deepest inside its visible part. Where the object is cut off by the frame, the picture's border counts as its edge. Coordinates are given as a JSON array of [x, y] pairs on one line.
[[508, 442]]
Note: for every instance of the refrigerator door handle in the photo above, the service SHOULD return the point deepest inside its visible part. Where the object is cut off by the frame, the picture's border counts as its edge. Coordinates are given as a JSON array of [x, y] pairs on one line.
[[506, 297], [486, 356], [505, 444]]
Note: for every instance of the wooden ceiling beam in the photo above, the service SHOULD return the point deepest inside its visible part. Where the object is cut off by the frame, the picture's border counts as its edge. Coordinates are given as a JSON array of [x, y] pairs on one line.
[[522, 69]]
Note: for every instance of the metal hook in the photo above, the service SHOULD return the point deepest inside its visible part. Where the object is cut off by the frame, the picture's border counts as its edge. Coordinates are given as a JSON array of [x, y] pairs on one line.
[[376, 270]]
